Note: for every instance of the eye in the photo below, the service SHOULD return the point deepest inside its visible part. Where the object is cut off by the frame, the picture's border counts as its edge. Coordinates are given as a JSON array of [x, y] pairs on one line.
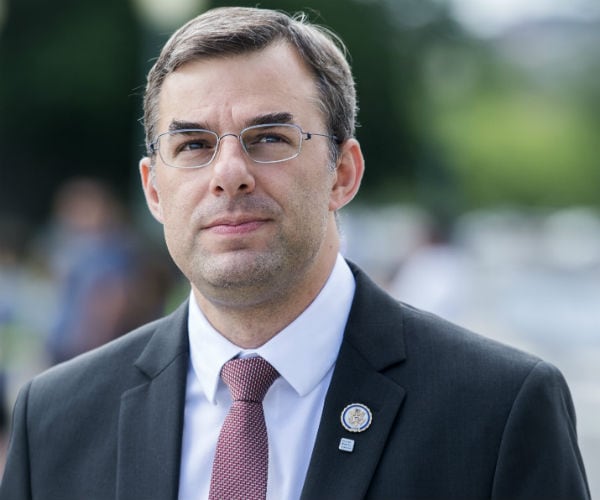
[[270, 138], [188, 142], [193, 145]]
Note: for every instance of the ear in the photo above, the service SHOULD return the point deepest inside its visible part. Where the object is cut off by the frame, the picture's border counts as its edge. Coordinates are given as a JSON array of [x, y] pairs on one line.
[[150, 190], [348, 174]]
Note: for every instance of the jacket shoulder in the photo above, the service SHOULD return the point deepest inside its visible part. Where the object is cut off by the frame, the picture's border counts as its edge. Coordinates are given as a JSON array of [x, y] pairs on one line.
[[108, 369], [390, 333]]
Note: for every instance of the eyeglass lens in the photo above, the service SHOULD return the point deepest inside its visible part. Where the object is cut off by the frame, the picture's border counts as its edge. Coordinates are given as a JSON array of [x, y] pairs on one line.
[[262, 143]]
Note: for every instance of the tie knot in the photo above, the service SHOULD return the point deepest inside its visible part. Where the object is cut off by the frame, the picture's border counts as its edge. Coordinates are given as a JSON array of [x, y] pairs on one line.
[[248, 379]]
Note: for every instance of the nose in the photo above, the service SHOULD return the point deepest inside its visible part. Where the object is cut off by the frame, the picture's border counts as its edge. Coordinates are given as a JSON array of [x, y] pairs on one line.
[[231, 174]]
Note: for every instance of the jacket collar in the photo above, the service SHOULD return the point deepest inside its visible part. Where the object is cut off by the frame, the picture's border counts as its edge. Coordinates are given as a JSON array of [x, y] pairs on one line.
[[168, 343], [151, 415], [373, 343], [374, 315]]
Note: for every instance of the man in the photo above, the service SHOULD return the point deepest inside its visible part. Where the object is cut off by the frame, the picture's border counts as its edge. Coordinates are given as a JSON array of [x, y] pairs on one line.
[[249, 116]]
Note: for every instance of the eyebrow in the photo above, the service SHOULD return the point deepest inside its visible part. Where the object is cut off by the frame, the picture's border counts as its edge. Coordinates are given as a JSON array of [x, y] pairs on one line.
[[280, 117], [176, 125]]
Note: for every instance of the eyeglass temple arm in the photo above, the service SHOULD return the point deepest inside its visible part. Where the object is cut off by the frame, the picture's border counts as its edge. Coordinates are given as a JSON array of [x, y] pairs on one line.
[[333, 137]]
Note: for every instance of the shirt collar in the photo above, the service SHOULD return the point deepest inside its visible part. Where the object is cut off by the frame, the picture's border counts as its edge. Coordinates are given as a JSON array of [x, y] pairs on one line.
[[312, 340]]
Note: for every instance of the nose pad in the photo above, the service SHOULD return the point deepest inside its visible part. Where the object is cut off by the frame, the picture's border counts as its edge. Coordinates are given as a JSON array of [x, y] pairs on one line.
[[231, 173], [221, 144]]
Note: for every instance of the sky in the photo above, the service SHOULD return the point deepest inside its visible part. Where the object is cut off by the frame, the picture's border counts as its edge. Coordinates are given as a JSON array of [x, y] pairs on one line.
[[491, 17]]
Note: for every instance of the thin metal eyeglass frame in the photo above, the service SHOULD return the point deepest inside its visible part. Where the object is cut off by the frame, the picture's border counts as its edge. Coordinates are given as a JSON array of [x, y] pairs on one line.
[[154, 146]]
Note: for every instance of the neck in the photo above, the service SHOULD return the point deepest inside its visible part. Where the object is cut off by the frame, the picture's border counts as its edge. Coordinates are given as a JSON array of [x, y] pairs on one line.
[[251, 326]]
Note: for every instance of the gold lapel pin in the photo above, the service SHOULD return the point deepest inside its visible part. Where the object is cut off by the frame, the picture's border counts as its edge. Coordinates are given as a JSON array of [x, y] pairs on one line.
[[356, 417]]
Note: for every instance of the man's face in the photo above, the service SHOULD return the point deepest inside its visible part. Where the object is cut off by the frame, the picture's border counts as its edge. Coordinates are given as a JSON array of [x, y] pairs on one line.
[[240, 231]]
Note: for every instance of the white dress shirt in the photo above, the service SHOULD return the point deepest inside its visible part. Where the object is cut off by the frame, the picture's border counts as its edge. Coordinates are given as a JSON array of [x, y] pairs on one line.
[[304, 354]]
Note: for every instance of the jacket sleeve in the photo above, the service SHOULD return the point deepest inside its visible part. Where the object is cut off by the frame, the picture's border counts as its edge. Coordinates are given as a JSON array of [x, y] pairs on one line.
[[15, 483], [539, 457]]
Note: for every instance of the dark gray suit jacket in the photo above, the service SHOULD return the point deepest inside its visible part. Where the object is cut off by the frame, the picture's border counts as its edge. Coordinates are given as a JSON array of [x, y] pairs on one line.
[[455, 416]]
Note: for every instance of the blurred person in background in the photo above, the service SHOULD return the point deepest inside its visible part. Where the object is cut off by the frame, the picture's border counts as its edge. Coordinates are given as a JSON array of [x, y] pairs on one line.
[[436, 275], [250, 118], [99, 269]]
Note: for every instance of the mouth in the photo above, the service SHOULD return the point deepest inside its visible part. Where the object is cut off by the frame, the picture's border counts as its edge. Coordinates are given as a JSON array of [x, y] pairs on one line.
[[235, 225]]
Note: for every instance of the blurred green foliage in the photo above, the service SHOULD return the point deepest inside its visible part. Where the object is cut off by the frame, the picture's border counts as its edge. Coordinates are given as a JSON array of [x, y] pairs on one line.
[[446, 120], [67, 73], [521, 147], [516, 134]]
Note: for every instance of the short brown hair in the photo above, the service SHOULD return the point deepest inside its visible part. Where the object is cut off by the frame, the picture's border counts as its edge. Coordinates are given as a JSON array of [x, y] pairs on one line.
[[237, 30]]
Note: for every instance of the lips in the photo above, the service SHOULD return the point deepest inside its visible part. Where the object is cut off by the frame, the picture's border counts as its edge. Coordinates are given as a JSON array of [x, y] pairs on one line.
[[235, 225]]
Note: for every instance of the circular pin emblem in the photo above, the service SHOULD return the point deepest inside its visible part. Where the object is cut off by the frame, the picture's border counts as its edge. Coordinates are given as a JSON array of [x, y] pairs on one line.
[[356, 417]]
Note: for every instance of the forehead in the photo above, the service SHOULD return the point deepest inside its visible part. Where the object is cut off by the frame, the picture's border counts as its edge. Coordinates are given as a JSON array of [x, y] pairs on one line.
[[232, 90]]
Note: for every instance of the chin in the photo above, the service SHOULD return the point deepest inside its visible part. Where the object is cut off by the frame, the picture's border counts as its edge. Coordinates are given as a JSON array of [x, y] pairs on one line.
[[241, 268]]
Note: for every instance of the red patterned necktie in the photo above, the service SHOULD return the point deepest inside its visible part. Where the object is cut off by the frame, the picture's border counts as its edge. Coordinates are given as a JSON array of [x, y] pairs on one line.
[[242, 457]]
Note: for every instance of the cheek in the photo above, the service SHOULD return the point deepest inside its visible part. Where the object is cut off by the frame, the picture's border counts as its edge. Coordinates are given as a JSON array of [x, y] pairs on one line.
[[309, 200], [178, 191], [177, 204], [316, 188]]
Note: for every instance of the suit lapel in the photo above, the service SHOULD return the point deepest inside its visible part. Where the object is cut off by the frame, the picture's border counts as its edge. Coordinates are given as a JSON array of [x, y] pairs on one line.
[[151, 416], [372, 343]]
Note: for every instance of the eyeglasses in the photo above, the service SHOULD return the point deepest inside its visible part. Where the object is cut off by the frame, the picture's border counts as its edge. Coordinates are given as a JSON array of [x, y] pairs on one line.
[[196, 148]]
